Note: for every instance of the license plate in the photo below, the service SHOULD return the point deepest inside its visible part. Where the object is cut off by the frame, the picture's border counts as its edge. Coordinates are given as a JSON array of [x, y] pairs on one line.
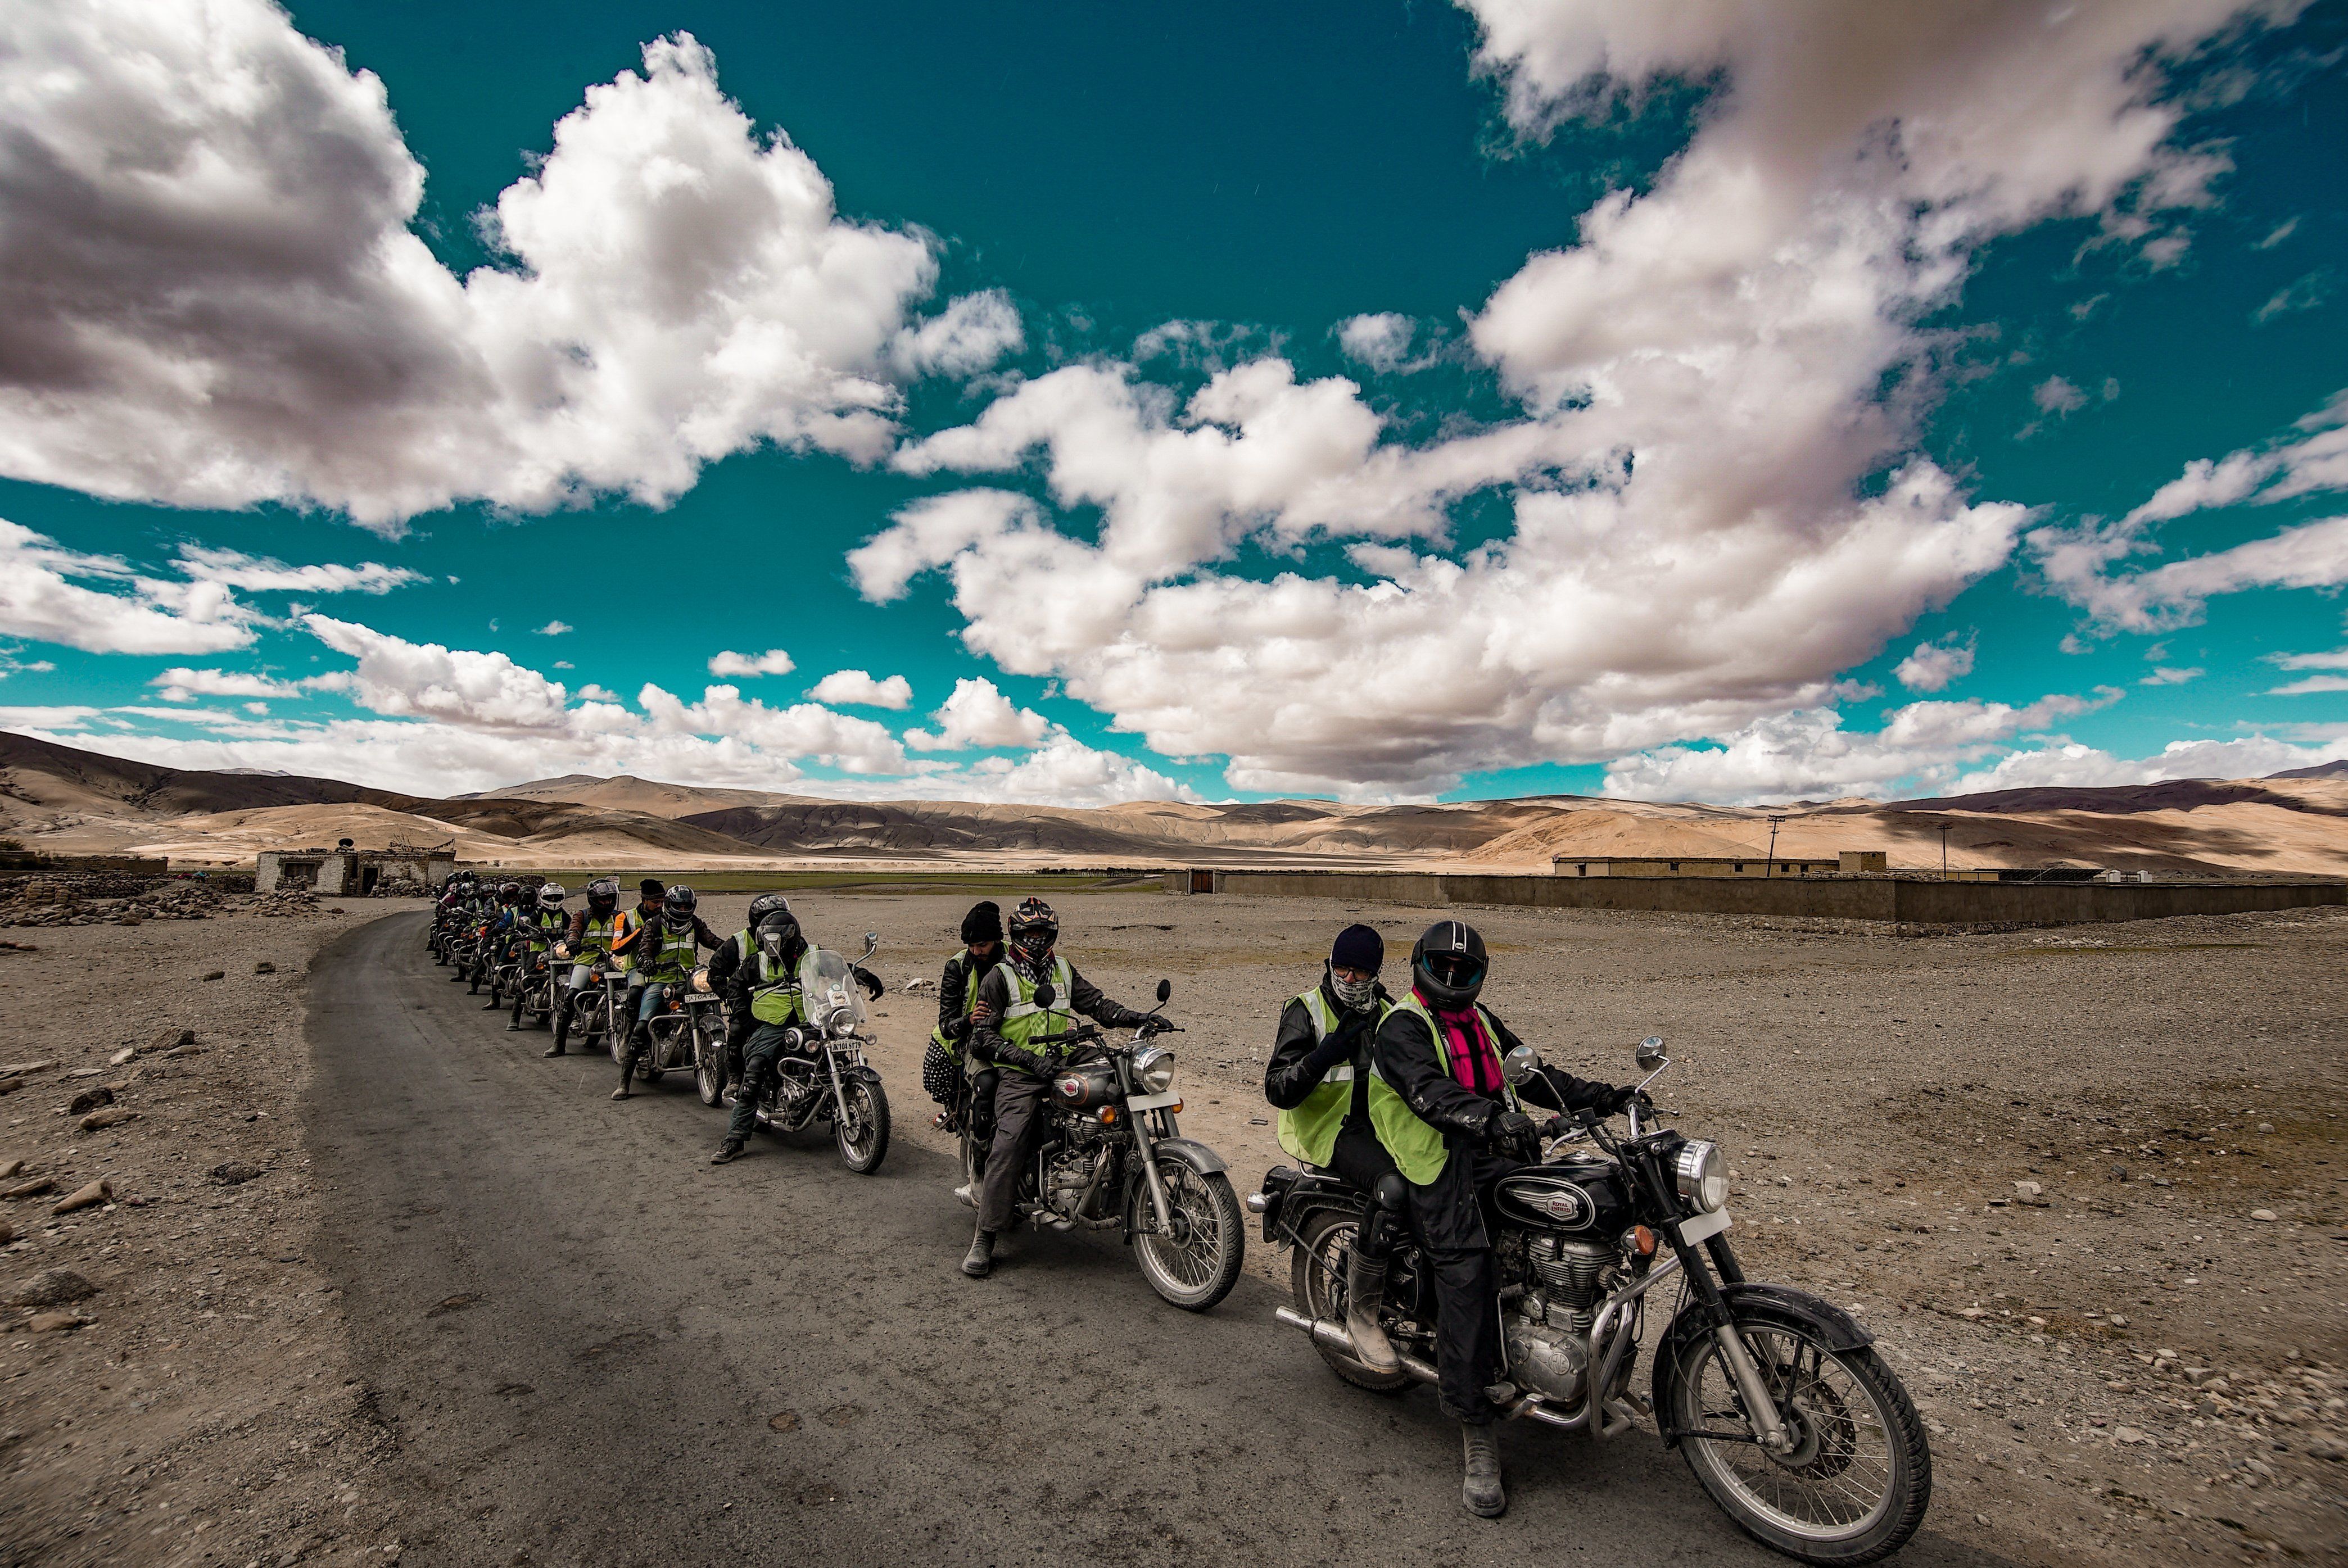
[[1152, 1101], [1697, 1229]]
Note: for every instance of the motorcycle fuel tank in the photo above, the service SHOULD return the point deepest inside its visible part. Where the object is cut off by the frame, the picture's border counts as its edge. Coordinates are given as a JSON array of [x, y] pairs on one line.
[[1580, 1198], [1083, 1088]]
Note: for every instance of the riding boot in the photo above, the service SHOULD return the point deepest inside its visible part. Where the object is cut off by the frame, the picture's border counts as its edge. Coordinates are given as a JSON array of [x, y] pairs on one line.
[[727, 1152], [1480, 1487], [1366, 1292], [627, 1076], [979, 1261]]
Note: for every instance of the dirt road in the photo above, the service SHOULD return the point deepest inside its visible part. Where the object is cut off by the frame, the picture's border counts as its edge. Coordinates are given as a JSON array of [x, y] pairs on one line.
[[592, 1348]]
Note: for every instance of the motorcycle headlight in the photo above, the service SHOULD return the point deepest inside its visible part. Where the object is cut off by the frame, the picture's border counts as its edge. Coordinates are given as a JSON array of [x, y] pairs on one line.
[[1154, 1069], [1702, 1177], [843, 1022]]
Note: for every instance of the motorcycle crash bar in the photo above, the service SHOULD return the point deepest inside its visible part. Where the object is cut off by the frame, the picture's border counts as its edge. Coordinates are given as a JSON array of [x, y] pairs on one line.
[[1618, 1417]]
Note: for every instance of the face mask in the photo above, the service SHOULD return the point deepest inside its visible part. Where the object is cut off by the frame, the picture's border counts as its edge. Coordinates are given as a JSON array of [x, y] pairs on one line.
[[1354, 994]]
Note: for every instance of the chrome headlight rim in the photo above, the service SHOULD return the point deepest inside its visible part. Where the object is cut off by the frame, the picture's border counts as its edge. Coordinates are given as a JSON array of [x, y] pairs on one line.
[[1701, 1176], [1153, 1069]]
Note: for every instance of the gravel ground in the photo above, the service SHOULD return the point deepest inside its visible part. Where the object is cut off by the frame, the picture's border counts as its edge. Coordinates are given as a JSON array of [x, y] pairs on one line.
[[2086, 1184]]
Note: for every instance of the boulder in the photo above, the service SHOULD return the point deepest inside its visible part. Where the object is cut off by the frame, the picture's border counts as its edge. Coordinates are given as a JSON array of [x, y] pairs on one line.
[[53, 1287]]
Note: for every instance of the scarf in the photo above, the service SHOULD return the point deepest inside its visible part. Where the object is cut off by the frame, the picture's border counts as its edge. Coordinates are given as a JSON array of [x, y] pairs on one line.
[[1469, 1051]]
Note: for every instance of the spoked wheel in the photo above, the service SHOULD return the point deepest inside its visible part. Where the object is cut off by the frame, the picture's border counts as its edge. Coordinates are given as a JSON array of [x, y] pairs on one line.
[[1316, 1282], [1195, 1265], [709, 1067], [1854, 1485], [861, 1130]]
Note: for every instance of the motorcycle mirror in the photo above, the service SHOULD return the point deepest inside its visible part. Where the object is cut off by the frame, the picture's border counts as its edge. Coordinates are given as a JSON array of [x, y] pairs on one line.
[[1164, 990], [871, 944], [1520, 1064], [1045, 995], [1650, 1054]]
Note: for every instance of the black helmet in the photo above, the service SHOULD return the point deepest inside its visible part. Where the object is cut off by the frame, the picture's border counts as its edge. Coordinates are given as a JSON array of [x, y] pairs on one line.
[[509, 892], [1448, 964], [677, 908], [766, 904], [602, 896], [551, 895], [1034, 930], [780, 937]]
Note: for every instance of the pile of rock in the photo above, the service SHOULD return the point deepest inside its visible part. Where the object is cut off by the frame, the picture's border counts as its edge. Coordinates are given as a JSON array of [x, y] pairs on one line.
[[289, 901], [68, 903]]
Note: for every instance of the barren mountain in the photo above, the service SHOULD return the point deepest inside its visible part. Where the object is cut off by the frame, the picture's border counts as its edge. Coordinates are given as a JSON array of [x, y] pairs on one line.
[[71, 801]]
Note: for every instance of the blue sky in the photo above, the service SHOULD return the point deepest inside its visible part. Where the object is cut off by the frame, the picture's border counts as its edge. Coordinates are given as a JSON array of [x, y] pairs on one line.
[[1092, 404]]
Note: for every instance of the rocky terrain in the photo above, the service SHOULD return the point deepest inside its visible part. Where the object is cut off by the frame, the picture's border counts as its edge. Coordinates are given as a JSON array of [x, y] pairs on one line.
[[2086, 1186]]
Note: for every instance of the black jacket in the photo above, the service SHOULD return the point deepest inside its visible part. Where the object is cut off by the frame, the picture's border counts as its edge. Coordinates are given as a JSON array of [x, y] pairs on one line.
[[963, 971], [648, 938], [995, 998], [1409, 1058], [1289, 1077], [723, 963]]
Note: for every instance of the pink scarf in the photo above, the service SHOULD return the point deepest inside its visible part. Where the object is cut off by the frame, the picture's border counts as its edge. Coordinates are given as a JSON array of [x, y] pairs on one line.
[[1468, 1050]]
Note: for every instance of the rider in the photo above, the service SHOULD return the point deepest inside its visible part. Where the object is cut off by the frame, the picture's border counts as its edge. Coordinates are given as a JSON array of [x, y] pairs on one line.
[[596, 935], [1452, 1126], [666, 945], [1320, 1078], [1013, 1030], [766, 988], [540, 927], [942, 1067], [719, 976], [497, 936]]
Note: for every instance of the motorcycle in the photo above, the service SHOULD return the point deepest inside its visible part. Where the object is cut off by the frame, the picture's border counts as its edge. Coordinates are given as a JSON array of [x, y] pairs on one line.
[[1112, 1156], [822, 1074], [689, 1031], [504, 962], [598, 1008], [1792, 1424], [537, 988]]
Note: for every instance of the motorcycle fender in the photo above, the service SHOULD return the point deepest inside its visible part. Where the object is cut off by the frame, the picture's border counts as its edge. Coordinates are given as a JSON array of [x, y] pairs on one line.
[[1754, 1301], [1192, 1152]]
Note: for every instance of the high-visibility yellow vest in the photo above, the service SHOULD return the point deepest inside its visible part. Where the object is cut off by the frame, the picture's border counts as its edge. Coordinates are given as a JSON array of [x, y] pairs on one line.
[[1309, 1130], [1028, 1026], [1417, 1146]]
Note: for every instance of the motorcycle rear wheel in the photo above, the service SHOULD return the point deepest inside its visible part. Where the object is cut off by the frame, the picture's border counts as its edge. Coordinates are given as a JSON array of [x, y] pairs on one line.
[[862, 1135], [1855, 1488], [1196, 1267], [1316, 1283]]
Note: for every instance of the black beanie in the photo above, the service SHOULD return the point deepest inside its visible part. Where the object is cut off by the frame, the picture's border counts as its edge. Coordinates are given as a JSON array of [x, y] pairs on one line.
[[983, 923], [651, 888], [1358, 947]]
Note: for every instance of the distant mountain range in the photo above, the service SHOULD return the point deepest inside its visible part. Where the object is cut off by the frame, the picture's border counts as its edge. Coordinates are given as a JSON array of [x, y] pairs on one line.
[[67, 800]]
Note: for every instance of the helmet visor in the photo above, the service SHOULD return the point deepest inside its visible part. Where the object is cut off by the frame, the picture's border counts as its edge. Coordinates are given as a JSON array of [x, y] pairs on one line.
[[1459, 971]]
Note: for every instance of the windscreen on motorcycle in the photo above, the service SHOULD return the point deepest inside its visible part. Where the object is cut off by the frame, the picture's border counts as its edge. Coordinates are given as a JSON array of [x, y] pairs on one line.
[[833, 1001]]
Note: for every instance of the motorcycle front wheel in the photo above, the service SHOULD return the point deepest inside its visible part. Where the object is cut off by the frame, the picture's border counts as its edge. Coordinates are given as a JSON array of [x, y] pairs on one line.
[[1196, 1265], [859, 1125], [1857, 1482], [709, 1066]]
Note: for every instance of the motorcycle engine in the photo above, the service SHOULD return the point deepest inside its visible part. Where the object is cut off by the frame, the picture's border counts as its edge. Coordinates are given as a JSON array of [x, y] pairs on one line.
[[1548, 1331]]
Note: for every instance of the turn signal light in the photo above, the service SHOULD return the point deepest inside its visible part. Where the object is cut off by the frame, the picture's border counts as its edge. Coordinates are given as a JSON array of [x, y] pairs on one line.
[[1643, 1239], [1108, 1115], [1175, 1108]]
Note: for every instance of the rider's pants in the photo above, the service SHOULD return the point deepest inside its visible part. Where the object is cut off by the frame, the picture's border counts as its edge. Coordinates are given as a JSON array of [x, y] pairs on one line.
[[1018, 1123], [1449, 1222], [766, 1042]]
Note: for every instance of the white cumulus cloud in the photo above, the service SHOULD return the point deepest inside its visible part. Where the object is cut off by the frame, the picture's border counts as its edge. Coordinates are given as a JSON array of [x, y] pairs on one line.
[[211, 293], [774, 661], [857, 688], [978, 715], [1931, 666]]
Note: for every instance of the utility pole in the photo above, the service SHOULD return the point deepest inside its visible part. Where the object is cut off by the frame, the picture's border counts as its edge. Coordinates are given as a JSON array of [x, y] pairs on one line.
[[1944, 852], [1771, 868]]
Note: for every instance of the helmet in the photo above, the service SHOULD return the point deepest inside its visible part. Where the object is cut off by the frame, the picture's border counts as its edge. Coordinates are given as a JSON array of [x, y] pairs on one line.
[[509, 892], [551, 895], [780, 937], [602, 896], [766, 904], [1448, 964], [1034, 930], [677, 908]]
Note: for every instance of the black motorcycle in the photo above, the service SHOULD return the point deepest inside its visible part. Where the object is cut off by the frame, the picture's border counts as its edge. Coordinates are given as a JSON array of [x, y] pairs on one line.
[[1792, 1423], [1112, 1157]]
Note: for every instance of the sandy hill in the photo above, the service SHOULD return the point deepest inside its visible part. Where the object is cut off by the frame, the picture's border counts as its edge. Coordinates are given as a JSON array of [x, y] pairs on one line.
[[72, 801]]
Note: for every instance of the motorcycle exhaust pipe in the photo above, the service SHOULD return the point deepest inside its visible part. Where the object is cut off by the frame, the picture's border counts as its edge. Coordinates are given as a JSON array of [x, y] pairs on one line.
[[1333, 1336]]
